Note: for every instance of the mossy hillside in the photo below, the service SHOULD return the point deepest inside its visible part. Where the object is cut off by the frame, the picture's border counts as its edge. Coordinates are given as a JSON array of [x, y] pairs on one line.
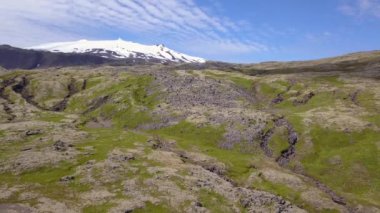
[[323, 99], [46, 182], [99, 86], [104, 140], [374, 119], [279, 141], [214, 201], [367, 99], [356, 176], [129, 103], [272, 89], [13, 97], [283, 191], [13, 148], [101, 208], [14, 74], [347, 162], [47, 178], [332, 80], [47, 92], [327, 87], [155, 208], [93, 81], [205, 140], [55, 117], [243, 82]]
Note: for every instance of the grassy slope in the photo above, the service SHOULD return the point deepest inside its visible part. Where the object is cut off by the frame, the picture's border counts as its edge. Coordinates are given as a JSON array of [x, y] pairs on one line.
[[357, 175]]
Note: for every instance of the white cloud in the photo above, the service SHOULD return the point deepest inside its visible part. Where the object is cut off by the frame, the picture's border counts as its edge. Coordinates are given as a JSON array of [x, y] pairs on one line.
[[28, 22], [361, 8]]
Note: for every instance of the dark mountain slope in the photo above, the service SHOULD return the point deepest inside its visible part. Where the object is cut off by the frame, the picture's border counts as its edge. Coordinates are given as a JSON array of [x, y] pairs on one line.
[[16, 58], [363, 62]]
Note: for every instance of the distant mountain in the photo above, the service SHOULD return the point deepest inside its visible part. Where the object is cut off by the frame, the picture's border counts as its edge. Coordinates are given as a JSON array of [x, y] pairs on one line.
[[17, 58], [120, 49]]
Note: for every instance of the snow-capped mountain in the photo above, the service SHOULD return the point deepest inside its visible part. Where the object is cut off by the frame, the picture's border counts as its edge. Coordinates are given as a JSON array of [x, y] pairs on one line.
[[120, 49]]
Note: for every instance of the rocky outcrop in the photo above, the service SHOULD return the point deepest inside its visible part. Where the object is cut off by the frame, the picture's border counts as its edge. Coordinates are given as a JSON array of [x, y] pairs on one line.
[[305, 99], [290, 152]]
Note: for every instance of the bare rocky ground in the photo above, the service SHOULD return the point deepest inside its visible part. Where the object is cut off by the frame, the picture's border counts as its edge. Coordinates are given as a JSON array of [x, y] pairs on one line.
[[153, 139]]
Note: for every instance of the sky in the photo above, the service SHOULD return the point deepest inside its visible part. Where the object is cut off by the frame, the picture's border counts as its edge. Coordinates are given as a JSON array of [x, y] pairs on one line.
[[245, 31]]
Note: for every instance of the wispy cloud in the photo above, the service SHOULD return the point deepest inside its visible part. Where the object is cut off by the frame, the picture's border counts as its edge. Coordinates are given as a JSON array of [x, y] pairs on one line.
[[27, 22], [361, 8]]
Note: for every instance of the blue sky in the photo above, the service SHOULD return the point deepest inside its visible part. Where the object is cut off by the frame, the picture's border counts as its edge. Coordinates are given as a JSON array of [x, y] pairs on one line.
[[226, 30]]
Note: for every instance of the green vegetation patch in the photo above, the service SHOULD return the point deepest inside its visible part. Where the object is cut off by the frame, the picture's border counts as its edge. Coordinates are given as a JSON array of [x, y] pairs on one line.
[[104, 140], [279, 141], [51, 116], [346, 161], [323, 99], [15, 73], [367, 100], [272, 89], [242, 82], [92, 82], [283, 191], [206, 139], [374, 119], [101, 208], [331, 80], [154, 208], [239, 81], [213, 201], [128, 104]]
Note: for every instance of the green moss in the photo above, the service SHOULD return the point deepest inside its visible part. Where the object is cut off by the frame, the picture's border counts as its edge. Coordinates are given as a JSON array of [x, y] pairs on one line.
[[15, 73], [101, 208], [12, 149], [104, 140], [51, 116], [274, 88], [213, 201], [298, 86], [48, 174], [92, 82], [46, 181], [206, 140], [374, 119], [330, 211], [239, 81], [129, 105], [367, 100], [323, 99], [279, 142], [347, 162], [220, 75], [242, 82], [283, 191], [266, 89], [46, 94], [297, 121], [154, 208], [332, 80]]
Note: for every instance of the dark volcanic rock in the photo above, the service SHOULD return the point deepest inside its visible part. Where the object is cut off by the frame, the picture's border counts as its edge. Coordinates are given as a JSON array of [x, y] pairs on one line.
[[61, 146], [67, 179], [33, 132]]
